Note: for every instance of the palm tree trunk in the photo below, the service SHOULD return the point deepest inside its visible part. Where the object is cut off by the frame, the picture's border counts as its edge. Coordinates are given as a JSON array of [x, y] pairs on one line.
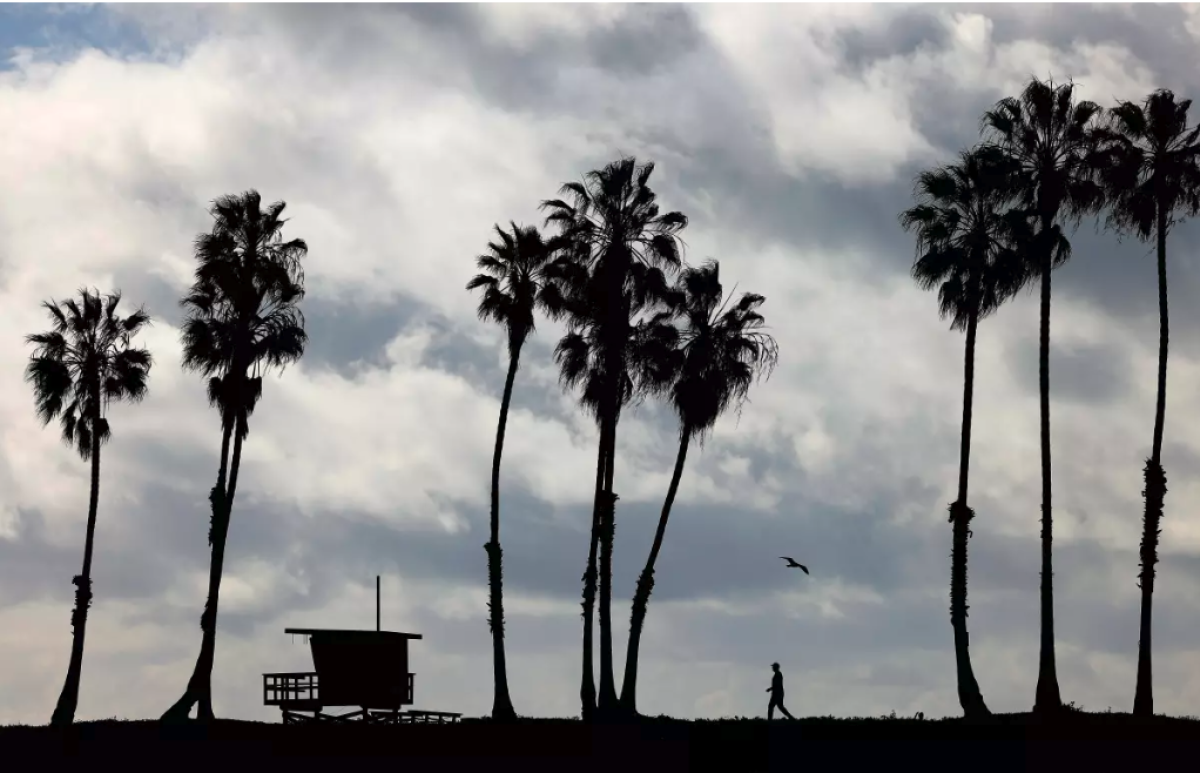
[[587, 689], [68, 699], [615, 338], [502, 708], [219, 527], [641, 598], [607, 702], [1156, 490], [969, 695], [208, 644], [1047, 697]]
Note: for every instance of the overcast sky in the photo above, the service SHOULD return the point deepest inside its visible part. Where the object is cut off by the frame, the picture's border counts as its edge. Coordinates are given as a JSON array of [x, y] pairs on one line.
[[398, 136]]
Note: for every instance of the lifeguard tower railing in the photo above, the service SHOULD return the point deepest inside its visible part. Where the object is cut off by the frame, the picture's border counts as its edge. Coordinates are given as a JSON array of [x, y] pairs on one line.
[[301, 690]]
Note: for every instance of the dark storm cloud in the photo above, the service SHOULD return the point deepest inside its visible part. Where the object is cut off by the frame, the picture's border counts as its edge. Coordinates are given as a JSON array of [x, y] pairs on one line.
[[647, 38], [909, 29], [711, 551], [1096, 594], [1096, 375], [347, 336], [130, 565], [32, 568]]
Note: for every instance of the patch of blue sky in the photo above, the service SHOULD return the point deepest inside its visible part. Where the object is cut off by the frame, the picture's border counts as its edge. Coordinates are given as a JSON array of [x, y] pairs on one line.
[[59, 31]]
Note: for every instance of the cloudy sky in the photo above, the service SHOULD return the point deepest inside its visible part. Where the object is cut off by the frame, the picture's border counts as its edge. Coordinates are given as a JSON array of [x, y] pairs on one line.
[[398, 136]]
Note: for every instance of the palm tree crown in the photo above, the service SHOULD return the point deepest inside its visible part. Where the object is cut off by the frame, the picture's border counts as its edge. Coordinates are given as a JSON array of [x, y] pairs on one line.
[[242, 313], [969, 247], [1051, 139], [648, 339], [513, 280], [721, 349], [83, 363], [613, 217], [1151, 161]]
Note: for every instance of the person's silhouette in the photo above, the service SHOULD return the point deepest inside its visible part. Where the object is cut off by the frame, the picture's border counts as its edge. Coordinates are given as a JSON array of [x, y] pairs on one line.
[[776, 690]]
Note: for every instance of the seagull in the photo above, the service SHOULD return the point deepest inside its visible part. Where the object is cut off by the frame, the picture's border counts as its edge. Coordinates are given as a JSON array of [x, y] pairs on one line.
[[793, 565]]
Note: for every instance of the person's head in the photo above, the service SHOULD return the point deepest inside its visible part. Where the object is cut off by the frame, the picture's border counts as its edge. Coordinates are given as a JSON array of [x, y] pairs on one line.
[[774, 666]]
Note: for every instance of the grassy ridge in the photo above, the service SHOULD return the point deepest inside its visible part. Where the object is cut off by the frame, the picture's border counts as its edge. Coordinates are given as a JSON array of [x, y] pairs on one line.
[[1007, 742]]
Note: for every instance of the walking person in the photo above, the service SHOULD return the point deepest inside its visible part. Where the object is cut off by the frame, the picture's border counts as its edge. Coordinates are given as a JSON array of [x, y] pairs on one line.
[[776, 690]]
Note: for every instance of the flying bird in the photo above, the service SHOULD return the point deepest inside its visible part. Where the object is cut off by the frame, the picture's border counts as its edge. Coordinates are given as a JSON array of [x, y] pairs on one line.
[[793, 565]]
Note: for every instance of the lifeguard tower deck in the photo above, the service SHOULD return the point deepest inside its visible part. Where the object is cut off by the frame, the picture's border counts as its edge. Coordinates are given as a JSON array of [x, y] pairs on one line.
[[366, 670]]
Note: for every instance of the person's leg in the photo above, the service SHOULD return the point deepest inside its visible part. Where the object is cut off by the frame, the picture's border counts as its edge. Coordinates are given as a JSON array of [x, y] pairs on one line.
[[771, 709], [786, 713]]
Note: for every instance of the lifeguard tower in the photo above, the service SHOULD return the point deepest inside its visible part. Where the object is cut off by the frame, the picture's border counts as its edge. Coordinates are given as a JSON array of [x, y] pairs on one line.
[[366, 670]]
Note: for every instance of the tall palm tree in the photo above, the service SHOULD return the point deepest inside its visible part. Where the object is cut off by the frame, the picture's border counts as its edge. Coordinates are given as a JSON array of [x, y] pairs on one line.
[[86, 361], [720, 351], [242, 321], [968, 249], [513, 284], [613, 224], [1050, 138], [1151, 176], [649, 342]]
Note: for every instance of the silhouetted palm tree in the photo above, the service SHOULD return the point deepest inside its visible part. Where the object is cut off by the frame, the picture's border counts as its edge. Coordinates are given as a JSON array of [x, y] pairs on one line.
[[83, 363], [1151, 172], [968, 249], [721, 350], [1050, 137], [649, 341], [513, 283], [613, 223], [242, 321]]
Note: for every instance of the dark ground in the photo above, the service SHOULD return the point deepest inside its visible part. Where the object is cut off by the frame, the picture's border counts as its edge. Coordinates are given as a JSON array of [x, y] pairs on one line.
[[1013, 742]]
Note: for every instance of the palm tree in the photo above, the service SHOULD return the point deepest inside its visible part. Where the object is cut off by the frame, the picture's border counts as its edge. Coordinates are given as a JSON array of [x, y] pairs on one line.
[[968, 250], [242, 321], [1050, 138], [613, 223], [1151, 172], [86, 361], [513, 283], [720, 352], [650, 340]]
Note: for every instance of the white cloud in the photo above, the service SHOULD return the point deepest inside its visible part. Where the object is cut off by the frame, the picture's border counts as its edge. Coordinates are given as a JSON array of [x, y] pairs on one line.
[[860, 127]]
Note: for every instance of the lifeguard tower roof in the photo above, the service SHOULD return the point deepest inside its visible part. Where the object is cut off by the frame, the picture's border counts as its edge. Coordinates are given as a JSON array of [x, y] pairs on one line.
[[337, 631]]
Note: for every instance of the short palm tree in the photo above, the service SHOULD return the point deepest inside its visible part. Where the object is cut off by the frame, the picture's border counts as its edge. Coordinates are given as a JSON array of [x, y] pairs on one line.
[[719, 353], [86, 361], [968, 249], [1049, 136], [1151, 177], [242, 321], [513, 282], [613, 225]]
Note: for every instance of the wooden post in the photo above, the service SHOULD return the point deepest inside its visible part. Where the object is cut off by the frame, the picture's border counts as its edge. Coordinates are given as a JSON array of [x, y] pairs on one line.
[[377, 603]]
